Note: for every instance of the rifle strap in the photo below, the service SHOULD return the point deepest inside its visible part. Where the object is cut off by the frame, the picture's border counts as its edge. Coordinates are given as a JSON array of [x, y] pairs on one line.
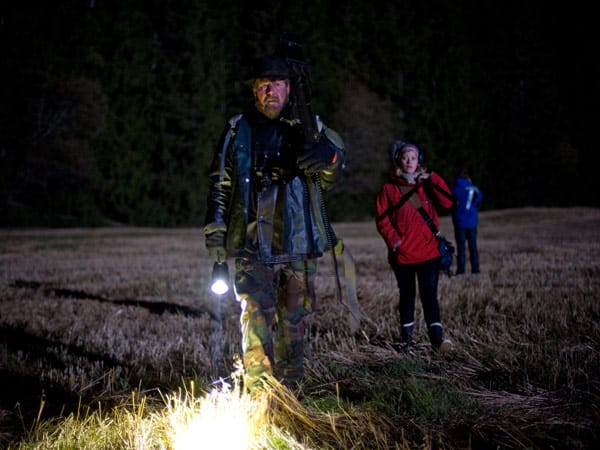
[[350, 278], [337, 247]]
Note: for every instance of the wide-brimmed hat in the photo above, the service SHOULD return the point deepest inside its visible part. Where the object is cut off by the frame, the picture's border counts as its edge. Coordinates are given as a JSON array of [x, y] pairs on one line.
[[271, 67]]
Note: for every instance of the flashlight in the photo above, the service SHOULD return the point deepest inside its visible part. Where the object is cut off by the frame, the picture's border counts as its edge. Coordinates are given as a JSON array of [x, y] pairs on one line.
[[220, 277]]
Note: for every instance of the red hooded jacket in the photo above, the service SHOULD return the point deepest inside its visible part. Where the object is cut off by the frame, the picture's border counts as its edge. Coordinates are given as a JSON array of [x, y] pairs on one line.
[[405, 224]]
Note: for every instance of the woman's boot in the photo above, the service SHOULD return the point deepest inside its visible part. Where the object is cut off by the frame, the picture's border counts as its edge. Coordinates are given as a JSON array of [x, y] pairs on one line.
[[436, 337], [407, 333]]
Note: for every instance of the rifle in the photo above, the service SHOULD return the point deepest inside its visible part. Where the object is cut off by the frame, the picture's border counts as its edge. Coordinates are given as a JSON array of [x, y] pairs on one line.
[[291, 50]]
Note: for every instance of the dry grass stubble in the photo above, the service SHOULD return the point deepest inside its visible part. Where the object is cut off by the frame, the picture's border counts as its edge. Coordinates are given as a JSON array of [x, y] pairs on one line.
[[97, 313]]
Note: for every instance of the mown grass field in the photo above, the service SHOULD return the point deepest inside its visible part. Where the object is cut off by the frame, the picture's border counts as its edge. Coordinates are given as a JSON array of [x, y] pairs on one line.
[[93, 318]]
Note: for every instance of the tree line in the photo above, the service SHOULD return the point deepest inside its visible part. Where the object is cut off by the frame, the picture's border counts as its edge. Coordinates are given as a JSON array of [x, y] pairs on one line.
[[111, 109]]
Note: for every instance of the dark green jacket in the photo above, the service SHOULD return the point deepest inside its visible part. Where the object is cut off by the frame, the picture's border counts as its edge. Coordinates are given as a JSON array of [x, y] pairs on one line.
[[277, 220]]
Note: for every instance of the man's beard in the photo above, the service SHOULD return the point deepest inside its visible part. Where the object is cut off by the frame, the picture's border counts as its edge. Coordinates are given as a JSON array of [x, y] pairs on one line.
[[271, 109]]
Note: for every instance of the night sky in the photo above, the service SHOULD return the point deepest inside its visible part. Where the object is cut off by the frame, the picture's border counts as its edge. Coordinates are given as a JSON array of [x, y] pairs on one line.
[[109, 110]]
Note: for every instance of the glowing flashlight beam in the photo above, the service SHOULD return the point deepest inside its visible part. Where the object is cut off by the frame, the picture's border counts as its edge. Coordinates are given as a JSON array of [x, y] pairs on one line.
[[223, 419]]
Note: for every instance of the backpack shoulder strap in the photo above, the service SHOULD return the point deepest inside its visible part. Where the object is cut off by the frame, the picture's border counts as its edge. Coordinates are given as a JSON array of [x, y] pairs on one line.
[[230, 134], [234, 120], [405, 197], [416, 202]]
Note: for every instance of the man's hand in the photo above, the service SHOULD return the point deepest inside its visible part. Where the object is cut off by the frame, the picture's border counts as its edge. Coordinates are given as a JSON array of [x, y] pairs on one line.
[[218, 254], [318, 156], [215, 245]]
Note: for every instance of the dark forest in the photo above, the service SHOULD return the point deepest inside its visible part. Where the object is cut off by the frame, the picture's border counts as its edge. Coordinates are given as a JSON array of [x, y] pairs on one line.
[[110, 109]]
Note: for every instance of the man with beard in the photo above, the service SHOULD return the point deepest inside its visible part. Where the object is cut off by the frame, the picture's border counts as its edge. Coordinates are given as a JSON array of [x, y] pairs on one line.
[[264, 209]]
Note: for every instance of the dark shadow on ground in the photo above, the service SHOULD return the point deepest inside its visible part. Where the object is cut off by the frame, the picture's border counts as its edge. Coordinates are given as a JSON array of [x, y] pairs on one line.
[[153, 307]]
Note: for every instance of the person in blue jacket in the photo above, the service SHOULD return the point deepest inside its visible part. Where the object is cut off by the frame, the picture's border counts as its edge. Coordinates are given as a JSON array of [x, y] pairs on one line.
[[465, 218]]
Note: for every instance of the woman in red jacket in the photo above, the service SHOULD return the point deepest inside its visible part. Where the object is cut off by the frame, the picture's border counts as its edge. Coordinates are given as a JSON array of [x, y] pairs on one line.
[[412, 247]]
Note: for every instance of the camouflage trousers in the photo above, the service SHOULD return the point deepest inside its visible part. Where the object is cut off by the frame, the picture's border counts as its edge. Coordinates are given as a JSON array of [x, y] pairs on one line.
[[274, 302]]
